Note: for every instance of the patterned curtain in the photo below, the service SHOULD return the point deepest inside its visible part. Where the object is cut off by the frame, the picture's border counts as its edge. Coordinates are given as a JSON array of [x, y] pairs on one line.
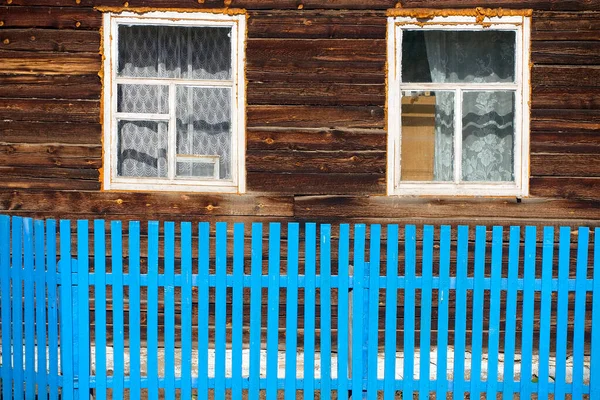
[[203, 114], [487, 116]]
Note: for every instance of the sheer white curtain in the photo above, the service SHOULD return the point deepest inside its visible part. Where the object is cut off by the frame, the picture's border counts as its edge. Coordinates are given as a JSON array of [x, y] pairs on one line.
[[487, 116], [203, 114]]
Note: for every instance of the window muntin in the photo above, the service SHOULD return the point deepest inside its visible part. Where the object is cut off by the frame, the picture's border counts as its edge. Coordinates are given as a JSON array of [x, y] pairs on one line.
[[458, 106], [175, 116]]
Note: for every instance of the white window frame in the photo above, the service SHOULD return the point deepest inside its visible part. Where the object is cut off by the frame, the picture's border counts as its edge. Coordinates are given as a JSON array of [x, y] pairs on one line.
[[237, 23], [521, 25]]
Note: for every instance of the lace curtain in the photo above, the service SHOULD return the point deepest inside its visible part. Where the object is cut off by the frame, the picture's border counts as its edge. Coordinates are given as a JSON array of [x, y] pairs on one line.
[[487, 116], [203, 114]]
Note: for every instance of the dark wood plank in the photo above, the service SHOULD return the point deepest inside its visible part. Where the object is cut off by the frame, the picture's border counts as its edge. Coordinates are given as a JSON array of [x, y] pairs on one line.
[[316, 162], [75, 17], [564, 120], [315, 116], [50, 110], [310, 184], [54, 40], [247, 4], [566, 187], [565, 142], [574, 165], [29, 183], [587, 76], [534, 4], [556, 97], [54, 173], [27, 62], [86, 87], [50, 132], [567, 52], [315, 139], [565, 25]]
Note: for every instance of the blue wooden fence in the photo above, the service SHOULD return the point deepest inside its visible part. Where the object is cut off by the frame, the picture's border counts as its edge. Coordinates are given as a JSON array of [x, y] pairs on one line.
[[541, 303]]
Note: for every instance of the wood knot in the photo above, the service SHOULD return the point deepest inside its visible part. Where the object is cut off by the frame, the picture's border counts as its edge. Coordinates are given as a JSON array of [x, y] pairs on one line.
[[119, 201], [6, 41], [8, 1], [32, 38], [210, 207], [1, 23], [77, 24], [126, 4], [269, 140], [77, 1], [354, 158]]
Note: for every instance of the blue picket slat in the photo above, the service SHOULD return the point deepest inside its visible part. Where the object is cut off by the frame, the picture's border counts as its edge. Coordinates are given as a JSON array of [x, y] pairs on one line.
[[357, 310], [443, 296], [220, 307], [40, 308], [410, 249], [595, 345], [562, 316], [425, 334], [343, 262], [169, 316], [477, 323], [66, 310], [29, 315], [528, 304], [134, 310], [460, 322], [152, 327], [116, 238], [391, 302], [291, 311], [255, 312], [203, 262], [494, 326], [83, 310], [17, 306], [374, 272], [325, 268], [514, 245], [5, 287], [310, 273], [545, 312], [237, 312], [100, 306], [579, 324], [52, 309], [273, 309], [186, 310]]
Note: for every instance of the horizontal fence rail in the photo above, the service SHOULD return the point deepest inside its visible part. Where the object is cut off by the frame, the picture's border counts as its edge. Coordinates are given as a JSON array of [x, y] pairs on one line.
[[199, 311]]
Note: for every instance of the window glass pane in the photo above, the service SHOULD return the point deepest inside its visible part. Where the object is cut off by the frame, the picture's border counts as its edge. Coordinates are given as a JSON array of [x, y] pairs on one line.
[[204, 125], [441, 56], [488, 136], [142, 149], [427, 149], [174, 52], [143, 99], [198, 169]]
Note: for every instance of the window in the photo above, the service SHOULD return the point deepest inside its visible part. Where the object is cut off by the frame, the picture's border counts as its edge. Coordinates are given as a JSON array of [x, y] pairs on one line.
[[174, 104], [458, 105]]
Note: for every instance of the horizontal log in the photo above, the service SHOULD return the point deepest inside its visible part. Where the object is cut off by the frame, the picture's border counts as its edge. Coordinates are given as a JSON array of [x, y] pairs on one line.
[[567, 187], [49, 173], [315, 93], [86, 87], [48, 161], [21, 62], [316, 162], [573, 165], [50, 110], [565, 120], [50, 132], [565, 142], [315, 139], [534, 4], [317, 25], [314, 207], [316, 117], [35, 183], [565, 26], [557, 97], [570, 76], [81, 18], [568, 52], [62, 41], [128, 204], [305, 72], [299, 184]]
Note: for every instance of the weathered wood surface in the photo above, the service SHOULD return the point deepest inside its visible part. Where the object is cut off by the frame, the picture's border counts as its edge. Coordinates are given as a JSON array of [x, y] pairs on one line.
[[556, 5]]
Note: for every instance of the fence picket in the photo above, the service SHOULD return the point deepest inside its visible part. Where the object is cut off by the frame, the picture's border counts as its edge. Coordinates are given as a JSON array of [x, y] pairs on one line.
[[116, 236], [152, 327], [562, 316], [494, 326], [186, 310], [325, 311], [220, 307], [545, 312], [410, 245], [373, 301], [40, 308], [5, 297], [83, 306], [343, 262], [53, 357], [169, 316], [237, 313], [528, 299], [595, 345], [291, 314], [255, 311], [203, 261], [357, 314], [66, 310], [460, 322], [579, 324], [100, 306], [477, 323], [273, 309], [425, 339], [391, 304], [134, 310], [309, 310], [443, 297], [511, 309], [29, 311]]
